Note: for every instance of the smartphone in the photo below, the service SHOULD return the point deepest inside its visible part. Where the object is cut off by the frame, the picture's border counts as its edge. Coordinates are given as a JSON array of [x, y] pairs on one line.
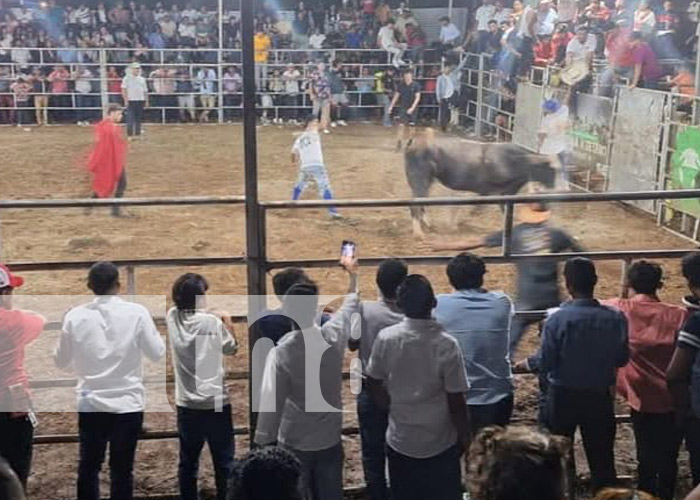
[[347, 250]]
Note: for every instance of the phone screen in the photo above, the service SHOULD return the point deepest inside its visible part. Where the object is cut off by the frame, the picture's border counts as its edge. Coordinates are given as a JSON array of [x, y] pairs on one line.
[[347, 250]]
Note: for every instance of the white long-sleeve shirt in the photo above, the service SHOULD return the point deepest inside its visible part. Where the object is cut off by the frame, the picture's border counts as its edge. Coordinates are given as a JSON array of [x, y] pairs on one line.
[[386, 37], [284, 385], [198, 340], [104, 341]]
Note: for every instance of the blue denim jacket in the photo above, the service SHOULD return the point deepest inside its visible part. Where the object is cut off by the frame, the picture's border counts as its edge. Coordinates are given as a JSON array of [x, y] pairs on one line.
[[583, 344]]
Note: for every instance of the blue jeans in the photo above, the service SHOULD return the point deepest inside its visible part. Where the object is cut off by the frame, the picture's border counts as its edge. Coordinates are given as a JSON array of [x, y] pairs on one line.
[[319, 175], [97, 430], [373, 424], [434, 478], [322, 472], [195, 428]]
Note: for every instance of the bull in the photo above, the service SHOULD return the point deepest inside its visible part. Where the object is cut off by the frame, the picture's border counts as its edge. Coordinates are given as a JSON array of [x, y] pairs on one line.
[[462, 165]]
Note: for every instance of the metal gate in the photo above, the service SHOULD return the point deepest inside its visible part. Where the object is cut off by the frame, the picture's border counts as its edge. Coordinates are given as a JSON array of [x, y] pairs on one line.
[[528, 115]]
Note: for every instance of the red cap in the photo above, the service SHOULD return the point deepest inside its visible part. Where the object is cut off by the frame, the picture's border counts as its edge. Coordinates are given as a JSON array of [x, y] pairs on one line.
[[9, 279]]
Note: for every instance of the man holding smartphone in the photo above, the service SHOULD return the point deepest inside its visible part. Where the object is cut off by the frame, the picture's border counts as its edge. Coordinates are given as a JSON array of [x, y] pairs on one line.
[[17, 329]]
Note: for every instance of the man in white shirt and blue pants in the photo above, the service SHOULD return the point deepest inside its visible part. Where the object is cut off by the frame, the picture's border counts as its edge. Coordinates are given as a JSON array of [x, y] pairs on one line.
[[307, 151], [104, 342]]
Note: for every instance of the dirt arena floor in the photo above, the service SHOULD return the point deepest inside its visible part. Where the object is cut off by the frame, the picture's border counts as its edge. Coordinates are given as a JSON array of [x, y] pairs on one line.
[[207, 160]]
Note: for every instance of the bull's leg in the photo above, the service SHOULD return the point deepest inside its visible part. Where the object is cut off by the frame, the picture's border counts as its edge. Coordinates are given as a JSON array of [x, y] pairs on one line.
[[420, 221]]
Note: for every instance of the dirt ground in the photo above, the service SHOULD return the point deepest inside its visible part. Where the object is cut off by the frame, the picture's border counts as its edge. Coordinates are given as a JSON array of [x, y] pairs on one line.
[[207, 160]]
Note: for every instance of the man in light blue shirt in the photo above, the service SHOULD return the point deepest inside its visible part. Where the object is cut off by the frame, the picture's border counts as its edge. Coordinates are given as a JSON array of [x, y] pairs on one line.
[[480, 321]]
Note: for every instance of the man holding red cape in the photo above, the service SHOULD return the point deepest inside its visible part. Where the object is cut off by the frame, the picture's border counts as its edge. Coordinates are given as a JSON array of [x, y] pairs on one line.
[[107, 159]]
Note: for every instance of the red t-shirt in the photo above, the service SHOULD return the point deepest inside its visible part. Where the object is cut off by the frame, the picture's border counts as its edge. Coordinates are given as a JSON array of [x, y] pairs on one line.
[[17, 329], [653, 327]]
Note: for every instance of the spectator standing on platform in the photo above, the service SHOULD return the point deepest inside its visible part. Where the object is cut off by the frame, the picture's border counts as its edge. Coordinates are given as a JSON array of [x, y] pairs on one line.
[[387, 41], [447, 93], [60, 97], [292, 92], [653, 328], [647, 69], [311, 433], [199, 338], [547, 18], [110, 391], [41, 97], [416, 371], [135, 96], [480, 321], [114, 86], [82, 81], [21, 90], [339, 97], [17, 329], [449, 34], [374, 420], [206, 84], [163, 81], [644, 20], [580, 334], [185, 95], [483, 15], [385, 87], [667, 22], [262, 45], [233, 84], [684, 371]]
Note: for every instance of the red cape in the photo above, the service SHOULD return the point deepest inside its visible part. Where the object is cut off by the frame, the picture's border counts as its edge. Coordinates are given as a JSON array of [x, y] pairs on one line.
[[106, 160]]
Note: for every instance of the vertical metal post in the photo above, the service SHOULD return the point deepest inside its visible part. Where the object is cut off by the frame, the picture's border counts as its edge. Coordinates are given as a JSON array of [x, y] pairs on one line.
[[624, 289], [220, 60], [130, 281], [507, 228], [696, 102], [104, 88], [479, 96], [660, 205], [255, 237]]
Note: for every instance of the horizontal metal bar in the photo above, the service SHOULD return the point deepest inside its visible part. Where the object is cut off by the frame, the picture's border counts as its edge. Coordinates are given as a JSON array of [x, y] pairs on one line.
[[136, 202], [85, 264], [493, 259], [490, 200]]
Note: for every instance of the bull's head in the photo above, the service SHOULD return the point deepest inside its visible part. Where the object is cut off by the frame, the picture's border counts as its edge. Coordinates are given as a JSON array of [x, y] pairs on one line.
[[542, 171]]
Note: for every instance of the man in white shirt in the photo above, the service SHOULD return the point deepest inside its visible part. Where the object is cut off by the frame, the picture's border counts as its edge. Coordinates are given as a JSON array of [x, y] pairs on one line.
[[417, 371], [316, 39], [449, 34], [291, 77], [310, 424], [104, 341], [581, 48], [206, 83], [308, 153], [553, 138], [135, 95], [547, 18], [387, 40], [82, 79], [374, 420], [483, 15], [198, 339]]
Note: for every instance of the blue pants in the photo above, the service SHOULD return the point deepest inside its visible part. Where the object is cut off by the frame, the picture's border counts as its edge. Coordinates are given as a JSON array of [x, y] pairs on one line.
[[134, 116], [195, 428], [96, 431], [373, 424], [322, 472], [319, 175], [434, 478]]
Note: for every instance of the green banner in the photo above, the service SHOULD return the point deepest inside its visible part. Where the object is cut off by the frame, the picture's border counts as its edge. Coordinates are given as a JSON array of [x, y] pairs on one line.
[[685, 168]]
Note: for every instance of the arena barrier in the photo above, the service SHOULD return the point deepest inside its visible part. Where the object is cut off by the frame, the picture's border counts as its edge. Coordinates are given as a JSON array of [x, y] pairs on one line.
[[261, 265], [180, 68]]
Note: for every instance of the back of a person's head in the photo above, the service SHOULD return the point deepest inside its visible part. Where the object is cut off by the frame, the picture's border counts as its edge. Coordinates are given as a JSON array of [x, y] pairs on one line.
[[269, 473], [580, 275], [622, 494], [466, 271], [301, 303], [10, 486], [415, 297], [186, 289], [390, 275], [517, 463], [285, 279], [103, 278], [691, 269], [645, 277]]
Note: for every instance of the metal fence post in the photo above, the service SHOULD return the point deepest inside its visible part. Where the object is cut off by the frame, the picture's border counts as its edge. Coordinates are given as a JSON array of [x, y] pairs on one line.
[[479, 96], [130, 281], [663, 161], [507, 228], [104, 88], [624, 289]]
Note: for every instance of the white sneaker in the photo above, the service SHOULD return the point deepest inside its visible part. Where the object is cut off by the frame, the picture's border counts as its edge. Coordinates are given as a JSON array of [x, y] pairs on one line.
[[342, 123], [326, 131], [334, 124]]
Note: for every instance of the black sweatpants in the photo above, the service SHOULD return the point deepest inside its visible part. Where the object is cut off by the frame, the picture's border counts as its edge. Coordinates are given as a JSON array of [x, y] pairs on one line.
[[593, 412], [134, 117], [16, 436]]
